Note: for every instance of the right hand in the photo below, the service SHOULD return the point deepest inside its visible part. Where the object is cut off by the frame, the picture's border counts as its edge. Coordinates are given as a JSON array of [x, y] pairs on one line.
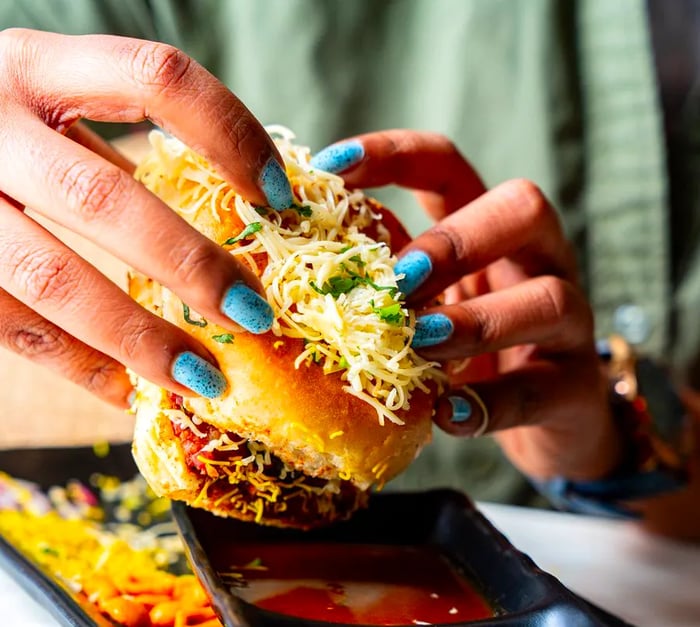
[[57, 309]]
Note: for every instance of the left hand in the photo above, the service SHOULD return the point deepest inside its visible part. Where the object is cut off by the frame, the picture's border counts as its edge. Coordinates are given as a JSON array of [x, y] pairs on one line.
[[513, 319]]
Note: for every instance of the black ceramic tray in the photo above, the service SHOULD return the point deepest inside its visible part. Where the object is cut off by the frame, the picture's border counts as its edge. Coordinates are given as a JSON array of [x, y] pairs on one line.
[[520, 592], [524, 595]]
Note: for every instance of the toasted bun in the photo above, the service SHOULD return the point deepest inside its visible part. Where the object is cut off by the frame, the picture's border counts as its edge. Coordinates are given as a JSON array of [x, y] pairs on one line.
[[296, 414]]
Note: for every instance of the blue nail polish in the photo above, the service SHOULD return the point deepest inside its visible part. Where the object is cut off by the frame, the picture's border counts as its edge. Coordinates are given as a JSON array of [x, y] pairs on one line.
[[246, 307], [199, 375], [461, 409], [338, 157], [432, 329], [275, 185], [416, 267]]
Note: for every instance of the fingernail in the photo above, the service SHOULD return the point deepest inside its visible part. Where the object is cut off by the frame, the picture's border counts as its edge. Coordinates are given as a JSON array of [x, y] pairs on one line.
[[198, 375], [247, 308], [416, 267], [275, 185], [131, 399], [461, 409], [338, 157], [432, 329]]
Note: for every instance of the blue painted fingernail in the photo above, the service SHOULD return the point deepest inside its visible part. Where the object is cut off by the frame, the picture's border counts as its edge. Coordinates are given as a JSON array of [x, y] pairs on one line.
[[461, 409], [338, 157], [247, 308], [199, 375], [432, 329], [416, 267], [275, 185]]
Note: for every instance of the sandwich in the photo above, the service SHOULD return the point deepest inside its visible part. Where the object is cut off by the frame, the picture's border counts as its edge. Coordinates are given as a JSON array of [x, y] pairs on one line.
[[332, 401]]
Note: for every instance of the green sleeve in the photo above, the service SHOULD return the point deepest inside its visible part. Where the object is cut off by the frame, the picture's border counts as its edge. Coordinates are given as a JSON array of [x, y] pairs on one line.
[[182, 23]]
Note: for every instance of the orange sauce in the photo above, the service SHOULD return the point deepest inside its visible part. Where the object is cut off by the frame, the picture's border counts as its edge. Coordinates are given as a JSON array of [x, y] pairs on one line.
[[351, 584]]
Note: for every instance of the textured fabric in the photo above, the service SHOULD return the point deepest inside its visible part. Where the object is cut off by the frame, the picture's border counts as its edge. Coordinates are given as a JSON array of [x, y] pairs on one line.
[[562, 93]]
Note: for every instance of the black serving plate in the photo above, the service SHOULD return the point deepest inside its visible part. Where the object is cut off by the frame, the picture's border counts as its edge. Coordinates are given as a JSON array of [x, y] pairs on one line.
[[56, 466], [520, 592]]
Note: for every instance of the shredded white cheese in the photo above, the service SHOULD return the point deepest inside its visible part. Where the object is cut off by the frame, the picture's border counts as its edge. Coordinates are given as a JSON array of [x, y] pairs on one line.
[[327, 281]]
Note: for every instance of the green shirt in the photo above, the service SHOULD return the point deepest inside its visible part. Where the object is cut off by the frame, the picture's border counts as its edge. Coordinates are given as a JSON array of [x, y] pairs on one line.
[[562, 93]]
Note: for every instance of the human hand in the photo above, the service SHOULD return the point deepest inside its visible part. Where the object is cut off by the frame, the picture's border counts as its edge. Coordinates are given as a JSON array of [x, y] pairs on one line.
[[57, 309], [513, 324]]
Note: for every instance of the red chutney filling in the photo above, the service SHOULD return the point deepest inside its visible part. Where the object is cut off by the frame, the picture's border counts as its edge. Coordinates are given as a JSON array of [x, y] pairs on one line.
[[244, 476]]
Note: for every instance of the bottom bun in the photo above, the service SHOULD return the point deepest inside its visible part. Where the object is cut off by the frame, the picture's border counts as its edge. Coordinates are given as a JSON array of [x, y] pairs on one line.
[[245, 481]]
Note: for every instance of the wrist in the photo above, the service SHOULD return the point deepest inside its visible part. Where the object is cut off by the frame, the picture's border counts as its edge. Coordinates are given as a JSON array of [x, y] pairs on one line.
[[651, 433]]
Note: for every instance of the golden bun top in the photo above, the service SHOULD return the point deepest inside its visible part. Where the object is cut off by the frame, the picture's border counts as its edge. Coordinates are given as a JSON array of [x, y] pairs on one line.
[[353, 404]]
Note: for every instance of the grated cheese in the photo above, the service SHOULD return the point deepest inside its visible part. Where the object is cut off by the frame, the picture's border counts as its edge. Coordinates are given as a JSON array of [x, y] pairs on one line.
[[320, 241]]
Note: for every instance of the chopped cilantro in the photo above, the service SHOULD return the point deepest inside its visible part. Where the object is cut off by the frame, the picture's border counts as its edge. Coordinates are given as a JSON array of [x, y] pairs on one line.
[[343, 363], [358, 260], [339, 284], [251, 228], [302, 210], [223, 338], [391, 313], [186, 315]]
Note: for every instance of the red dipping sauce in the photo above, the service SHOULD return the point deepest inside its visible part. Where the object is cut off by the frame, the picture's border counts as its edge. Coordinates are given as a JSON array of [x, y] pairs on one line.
[[351, 584]]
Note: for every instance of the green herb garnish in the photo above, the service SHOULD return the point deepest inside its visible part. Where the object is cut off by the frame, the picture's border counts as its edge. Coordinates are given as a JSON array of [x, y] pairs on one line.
[[392, 314], [302, 210], [251, 228], [186, 314], [339, 284], [223, 338], [358, 260], [343, 363]]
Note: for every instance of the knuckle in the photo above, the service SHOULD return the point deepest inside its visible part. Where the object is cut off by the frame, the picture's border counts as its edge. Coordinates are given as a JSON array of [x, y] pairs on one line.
[[454, 242], [193, 265], [159, 67], [445, 143], [37, 339], [45, 275], [138, 338], [484, 328], [14, 39], [21, 54], [99, 375], [17, 55], [242, 129], [531, 198], [557, 297], [90, 191], [567, 305]]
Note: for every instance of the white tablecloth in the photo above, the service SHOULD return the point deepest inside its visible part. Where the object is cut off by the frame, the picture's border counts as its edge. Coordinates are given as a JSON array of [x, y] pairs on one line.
[[646, 580]]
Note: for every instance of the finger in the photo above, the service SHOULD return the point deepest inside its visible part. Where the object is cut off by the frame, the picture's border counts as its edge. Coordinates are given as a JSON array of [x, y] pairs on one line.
[[50, 279], [542, 394], [545, 311], [100, 201], [552, 418], [426, 162], [117, 79], [513, 221], [84, 136], [26, 333]]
